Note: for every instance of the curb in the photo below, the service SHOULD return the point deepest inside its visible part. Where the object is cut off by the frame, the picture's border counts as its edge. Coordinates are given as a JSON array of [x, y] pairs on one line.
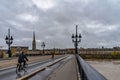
[[39, 70]]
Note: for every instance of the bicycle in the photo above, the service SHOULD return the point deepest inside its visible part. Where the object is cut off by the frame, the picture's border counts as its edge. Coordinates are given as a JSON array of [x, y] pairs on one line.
[[19, 68]]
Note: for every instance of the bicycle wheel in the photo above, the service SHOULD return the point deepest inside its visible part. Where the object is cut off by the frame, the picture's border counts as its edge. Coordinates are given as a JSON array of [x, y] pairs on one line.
[[17, 68], [25, 67]]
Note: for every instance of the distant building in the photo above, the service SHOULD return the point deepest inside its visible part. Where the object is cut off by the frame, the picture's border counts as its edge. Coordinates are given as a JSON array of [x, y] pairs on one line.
[[3, 53], [16, 49], [56, 51], [34, 42], [97, 51], [70, 51], [33, 53]]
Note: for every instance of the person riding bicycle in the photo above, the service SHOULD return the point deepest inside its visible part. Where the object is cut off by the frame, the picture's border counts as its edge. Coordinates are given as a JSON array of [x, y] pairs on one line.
[[22, 58]]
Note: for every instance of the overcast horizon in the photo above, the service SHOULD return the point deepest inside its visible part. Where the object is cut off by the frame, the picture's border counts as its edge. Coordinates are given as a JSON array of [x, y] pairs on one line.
[[54, 22]]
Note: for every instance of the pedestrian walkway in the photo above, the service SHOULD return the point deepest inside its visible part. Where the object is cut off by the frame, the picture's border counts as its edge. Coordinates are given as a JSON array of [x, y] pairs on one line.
[[66, 72]]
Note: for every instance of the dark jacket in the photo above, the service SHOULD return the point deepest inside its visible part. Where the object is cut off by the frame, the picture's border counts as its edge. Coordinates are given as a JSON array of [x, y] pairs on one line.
[[22, 57]]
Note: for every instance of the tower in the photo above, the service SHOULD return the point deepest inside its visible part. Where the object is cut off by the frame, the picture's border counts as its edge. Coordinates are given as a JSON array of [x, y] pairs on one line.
[[34, 42]]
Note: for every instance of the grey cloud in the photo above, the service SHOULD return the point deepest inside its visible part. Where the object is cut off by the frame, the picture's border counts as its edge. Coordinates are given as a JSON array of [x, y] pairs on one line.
[[55, 25]]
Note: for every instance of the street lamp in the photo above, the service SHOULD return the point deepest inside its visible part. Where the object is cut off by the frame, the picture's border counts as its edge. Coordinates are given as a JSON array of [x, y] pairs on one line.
[[43, 46], [9, 41], [76, 39]]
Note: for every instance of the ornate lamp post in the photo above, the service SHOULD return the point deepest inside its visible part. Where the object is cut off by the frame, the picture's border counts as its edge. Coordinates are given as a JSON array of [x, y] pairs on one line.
[[76, 39], [9, 41], [43, 46]]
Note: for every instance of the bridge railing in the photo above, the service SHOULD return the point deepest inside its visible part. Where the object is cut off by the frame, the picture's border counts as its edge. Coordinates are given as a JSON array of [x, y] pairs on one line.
[[87, 72]]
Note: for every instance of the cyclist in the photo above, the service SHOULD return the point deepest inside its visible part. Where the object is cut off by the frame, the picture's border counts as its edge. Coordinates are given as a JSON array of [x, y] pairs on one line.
[[22, 58]]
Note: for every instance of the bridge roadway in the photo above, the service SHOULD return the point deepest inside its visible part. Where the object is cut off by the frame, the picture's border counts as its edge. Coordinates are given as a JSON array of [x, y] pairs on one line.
[[65, 70]]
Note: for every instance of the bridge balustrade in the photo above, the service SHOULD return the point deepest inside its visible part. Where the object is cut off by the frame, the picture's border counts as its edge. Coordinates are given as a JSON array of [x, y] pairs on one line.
[[87, 72]]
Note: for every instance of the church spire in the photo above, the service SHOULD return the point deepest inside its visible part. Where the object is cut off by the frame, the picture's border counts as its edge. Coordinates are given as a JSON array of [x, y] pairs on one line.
[[34, 42]]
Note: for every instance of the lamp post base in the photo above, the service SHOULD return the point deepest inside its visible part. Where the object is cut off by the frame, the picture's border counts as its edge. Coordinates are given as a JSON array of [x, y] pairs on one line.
[[9, 53]]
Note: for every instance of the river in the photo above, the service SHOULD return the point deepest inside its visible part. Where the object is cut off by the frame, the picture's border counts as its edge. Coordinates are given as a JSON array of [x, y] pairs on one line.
[[110, 69]]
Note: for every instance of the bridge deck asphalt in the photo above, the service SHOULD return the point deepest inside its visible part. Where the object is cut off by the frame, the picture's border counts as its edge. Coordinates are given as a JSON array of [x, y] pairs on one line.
[[68, 71]]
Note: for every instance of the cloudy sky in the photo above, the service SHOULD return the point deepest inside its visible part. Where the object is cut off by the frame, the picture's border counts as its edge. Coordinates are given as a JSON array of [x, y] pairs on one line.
[[54, 22]]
